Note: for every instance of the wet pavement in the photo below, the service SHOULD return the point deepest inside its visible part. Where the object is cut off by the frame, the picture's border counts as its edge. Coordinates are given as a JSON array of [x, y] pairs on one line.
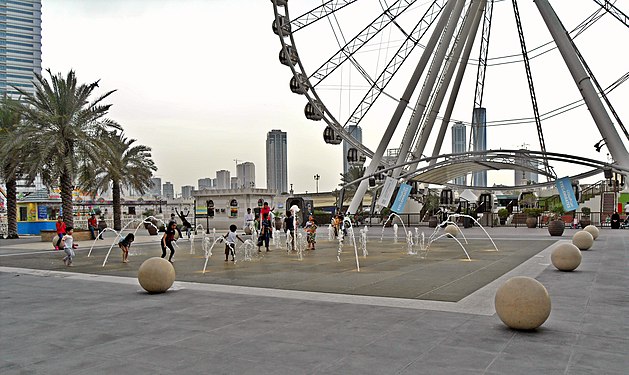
[[430, 313]]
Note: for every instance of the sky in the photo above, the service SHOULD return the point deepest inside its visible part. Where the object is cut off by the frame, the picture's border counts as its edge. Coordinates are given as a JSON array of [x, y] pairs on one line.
[[199, 81]]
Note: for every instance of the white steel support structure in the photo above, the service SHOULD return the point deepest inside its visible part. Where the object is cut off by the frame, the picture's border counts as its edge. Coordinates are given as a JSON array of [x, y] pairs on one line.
[[399, 111], [427, 89], [468, 34], [584, 84]]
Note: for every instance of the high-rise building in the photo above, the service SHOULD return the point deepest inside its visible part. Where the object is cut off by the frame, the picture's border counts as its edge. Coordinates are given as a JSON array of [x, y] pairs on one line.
[[479, 142], [156, 187], [246, 174], [223, 180], [276, 161], [525, 176], [168, 189], [357, 133], [233, 183], [459, 144], [20, 45], [204, 183], [186, 191]]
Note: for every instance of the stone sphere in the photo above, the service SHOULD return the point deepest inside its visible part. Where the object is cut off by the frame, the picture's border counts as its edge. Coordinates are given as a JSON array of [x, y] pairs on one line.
[[566, 257], [522, 303], [583, 240], [593, 230], [452, 230], [156, 275]]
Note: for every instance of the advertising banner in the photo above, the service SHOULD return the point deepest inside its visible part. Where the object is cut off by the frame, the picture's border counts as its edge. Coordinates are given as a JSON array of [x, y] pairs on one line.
[[387, 192], [401, 198], [568, 200]]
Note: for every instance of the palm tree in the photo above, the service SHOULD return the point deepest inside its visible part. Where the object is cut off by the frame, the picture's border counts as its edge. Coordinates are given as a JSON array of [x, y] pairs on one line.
[[11, 157], [65, 123], [353, 173], [121, 163]]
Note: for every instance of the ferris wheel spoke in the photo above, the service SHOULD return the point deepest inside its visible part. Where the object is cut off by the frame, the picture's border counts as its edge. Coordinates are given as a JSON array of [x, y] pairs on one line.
[[396, 62], [611, 9], [360, 40], [322, 11]]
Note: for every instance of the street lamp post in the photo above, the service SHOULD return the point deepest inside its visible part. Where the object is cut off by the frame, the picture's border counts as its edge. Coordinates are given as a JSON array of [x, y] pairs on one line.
[[316, 178]]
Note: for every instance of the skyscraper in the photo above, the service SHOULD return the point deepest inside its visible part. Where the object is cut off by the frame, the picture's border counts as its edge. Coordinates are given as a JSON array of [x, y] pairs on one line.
[[168, 189], [356, 132], [276, 161], [223, 179], [246, 173], [459, 144], [479, 142], [204, 183], [186, 191], [156, 187], [20, 45], [522, 176]]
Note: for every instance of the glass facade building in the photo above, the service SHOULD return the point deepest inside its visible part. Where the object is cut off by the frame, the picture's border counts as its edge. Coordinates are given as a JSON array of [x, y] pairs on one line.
[[20, 45], [459, 144], [276, 161]]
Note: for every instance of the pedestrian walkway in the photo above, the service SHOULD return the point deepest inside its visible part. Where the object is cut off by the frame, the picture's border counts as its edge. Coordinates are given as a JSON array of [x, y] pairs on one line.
[[57, 322]]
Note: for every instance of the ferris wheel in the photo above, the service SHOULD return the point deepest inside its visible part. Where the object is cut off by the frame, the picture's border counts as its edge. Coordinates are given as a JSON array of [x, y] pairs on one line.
[[404, 69]]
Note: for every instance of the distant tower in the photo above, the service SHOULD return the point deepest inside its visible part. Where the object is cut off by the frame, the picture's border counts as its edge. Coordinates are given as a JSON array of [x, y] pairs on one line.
[[156, 187], [186, 191], [459, 144], [204, 183], [21, 46], [479, 142], [524, 177], [223, 179], [233, 183], [356, 132], [169, 190], [246, 173], [276, 161]]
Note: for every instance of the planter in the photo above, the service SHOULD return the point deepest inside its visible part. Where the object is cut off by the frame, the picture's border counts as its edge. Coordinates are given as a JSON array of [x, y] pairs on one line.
[[278, 223], [531, 222], [432, 223], [556, 227], [151, 228], [503, 220], [584, 222]]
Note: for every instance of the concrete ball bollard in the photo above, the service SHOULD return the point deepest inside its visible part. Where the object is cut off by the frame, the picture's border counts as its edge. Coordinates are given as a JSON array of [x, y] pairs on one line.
[[156, 275], [452, 230], [566, 257], [522, 303], [593, 230], [583, 240]]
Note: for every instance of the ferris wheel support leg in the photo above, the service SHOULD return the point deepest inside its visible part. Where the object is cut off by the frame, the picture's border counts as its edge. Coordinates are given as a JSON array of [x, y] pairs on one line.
[[399, 111], [584, 84], [469, 33], [428, 86]]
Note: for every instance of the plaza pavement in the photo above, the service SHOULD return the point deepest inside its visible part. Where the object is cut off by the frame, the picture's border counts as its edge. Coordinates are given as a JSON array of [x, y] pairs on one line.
[[275, 314]]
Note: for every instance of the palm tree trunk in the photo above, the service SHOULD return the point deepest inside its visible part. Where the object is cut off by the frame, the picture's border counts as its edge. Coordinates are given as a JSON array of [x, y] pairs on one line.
[[12, 207], [115, 192], [66, 198]]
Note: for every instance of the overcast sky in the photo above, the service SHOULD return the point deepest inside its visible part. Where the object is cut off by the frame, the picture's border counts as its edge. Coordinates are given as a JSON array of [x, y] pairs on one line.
[[200, 82]]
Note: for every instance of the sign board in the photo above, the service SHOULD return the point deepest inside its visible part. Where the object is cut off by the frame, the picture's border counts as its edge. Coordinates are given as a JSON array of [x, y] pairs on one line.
[[568, 200], [387, 192], [42, 212], [401, 198]]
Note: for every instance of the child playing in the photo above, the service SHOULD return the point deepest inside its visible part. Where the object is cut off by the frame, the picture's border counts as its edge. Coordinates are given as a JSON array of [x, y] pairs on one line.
[[68, 246], [230, 244], [60, 225], [265, 233], [168, 239], [124, 245], [311, 233]]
